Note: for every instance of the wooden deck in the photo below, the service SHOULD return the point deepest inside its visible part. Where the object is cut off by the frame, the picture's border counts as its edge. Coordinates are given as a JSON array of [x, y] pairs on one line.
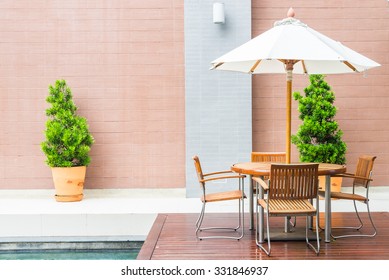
[[172, 237]]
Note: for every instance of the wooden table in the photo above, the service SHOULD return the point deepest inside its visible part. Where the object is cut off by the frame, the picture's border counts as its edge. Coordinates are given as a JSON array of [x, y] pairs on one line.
[[263, 169]]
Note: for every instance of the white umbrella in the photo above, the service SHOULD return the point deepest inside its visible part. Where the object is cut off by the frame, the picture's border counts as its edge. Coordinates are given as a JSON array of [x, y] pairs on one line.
[[292, 47]]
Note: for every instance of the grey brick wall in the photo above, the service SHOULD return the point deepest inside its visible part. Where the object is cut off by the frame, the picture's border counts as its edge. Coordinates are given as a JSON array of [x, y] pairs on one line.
[[218, 103]]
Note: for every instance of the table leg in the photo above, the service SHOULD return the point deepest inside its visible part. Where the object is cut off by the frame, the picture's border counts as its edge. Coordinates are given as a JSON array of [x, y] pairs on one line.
[[251, 200], [287, 224], [327, 201], [260, 218], [310, 218]]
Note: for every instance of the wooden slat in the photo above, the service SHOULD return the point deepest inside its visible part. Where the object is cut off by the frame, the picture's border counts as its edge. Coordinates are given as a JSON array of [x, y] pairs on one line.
[[148, 247], [176, 240], [268, 157], [221, 196]]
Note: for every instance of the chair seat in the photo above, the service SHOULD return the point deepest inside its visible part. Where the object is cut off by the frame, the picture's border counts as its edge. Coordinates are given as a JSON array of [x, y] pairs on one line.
[[341, 195], [288, 207], [220, 196]]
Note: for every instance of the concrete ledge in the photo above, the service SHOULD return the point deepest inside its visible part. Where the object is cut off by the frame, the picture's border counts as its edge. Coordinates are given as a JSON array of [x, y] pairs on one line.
[[109, 214], [35, 216]]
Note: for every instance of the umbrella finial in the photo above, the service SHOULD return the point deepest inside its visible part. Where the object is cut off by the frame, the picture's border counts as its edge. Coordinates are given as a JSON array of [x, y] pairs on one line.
[[290, 12]]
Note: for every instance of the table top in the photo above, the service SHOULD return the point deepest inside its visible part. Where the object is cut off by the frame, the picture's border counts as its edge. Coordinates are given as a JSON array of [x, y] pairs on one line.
[[263, 168]]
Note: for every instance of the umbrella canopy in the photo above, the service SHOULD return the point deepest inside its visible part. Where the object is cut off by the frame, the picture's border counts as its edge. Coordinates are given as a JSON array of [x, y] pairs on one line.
[[292, 47]]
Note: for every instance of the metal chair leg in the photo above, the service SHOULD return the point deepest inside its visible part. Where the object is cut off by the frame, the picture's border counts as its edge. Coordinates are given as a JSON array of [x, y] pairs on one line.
[[317, 249], [294, 223], [268, 250], [358, 227], [239, 226], [308, 224], [200, 220]]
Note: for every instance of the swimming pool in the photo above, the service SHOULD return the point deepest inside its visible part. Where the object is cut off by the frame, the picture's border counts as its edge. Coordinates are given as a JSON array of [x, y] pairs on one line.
[[74, 251]]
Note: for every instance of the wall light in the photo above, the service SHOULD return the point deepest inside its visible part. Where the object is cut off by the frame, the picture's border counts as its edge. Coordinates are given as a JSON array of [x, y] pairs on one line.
[[218, 13]]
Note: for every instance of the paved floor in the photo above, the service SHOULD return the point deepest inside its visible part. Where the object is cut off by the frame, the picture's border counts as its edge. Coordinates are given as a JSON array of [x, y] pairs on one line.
[[112, 214]]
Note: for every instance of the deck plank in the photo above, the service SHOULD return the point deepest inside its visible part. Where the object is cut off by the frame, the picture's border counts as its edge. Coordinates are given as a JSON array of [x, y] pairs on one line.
[[150, 243], [173, 238]]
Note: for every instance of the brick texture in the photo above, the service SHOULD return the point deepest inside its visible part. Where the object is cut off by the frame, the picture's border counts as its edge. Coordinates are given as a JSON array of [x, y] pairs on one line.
[[124, 61], [363, 103]]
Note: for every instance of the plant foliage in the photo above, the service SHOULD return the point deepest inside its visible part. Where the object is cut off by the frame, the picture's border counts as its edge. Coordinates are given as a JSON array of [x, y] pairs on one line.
[[318, 138], [68, 140]]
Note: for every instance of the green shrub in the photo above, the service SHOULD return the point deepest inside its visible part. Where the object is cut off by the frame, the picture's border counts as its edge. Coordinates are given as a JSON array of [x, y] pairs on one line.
[[318, 138], [68, 140]]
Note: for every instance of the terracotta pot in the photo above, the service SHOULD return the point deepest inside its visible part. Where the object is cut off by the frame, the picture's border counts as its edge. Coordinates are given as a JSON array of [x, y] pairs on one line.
[[69, 183]]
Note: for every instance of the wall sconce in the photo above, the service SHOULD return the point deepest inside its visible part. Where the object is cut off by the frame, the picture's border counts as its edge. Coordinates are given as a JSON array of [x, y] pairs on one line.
[[218, 13]]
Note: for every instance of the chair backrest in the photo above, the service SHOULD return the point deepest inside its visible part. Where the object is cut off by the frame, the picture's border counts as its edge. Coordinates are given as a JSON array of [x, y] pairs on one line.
[[293, 181], [364, 169], [199, 171], [268, 157]]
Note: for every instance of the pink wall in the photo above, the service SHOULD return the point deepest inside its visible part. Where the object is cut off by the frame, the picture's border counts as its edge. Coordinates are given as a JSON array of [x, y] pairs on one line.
[[124, 61], [363, 103]]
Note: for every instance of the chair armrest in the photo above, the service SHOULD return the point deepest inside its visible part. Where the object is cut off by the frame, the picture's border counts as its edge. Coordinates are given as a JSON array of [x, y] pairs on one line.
[[352, 176], [218, 172], [261, 182], [223, 177]]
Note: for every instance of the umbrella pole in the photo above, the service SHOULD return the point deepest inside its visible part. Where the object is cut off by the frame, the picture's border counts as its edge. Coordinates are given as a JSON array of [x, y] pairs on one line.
[[289, 78]]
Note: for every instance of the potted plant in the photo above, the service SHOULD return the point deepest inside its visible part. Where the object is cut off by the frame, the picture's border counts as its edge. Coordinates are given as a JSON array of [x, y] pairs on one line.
[[319, 138], [68, 143]]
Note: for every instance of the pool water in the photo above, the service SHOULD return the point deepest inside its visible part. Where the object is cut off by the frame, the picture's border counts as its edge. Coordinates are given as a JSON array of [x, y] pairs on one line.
[[72, 251]]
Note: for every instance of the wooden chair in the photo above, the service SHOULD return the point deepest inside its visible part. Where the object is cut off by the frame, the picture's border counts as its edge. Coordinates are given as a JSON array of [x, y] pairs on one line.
[[361, 178], [268, 157], [275, 157], [208, 197], [290, 192]]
